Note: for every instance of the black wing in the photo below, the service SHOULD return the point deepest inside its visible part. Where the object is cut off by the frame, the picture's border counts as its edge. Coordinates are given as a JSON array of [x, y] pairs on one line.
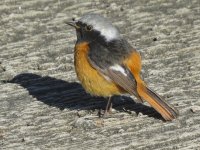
[[109, 63]]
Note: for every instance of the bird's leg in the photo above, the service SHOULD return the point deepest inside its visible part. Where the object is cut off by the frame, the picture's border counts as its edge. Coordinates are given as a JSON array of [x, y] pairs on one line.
[[108, 106]]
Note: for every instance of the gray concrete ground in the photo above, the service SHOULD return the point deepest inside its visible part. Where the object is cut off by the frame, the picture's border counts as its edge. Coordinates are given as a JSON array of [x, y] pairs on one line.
[[42, 106]]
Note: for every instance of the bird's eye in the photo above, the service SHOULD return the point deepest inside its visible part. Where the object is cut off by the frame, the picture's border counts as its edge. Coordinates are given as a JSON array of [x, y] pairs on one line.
[[88, 28]]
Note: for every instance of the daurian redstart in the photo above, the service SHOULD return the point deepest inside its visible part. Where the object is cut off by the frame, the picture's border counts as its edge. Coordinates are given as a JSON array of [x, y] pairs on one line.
[[106, 64]]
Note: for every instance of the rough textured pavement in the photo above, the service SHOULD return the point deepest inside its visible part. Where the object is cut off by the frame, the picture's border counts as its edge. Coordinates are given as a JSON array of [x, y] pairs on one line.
[[42, 105]]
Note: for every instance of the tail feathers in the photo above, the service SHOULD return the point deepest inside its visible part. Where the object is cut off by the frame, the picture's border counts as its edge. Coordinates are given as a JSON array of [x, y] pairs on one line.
[[167, 111]]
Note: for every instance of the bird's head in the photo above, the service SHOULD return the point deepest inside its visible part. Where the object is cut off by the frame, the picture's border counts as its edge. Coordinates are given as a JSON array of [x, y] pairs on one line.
[[91, 27]]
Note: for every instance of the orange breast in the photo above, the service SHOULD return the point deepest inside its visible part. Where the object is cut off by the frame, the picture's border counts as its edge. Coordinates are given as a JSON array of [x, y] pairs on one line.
[[93, 82]]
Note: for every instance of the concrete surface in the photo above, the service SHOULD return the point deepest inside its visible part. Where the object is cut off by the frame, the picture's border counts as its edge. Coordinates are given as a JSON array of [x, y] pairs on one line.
[[42, 106]]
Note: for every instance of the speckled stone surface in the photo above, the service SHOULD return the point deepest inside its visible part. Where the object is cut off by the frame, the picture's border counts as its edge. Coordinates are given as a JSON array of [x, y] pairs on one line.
[[42, 105]]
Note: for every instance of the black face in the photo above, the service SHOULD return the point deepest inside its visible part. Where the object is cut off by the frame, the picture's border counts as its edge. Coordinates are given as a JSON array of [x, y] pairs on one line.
[[86, 32]]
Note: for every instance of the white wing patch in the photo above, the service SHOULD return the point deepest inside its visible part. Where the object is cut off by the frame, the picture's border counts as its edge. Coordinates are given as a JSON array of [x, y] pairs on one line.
[[118, 68]]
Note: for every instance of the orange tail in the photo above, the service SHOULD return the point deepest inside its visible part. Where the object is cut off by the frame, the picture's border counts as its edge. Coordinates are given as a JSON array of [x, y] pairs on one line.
[[134, 64], [165, 109]]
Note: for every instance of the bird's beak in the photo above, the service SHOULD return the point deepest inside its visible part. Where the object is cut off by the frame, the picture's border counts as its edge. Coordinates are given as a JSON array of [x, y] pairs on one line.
[[73, 24]]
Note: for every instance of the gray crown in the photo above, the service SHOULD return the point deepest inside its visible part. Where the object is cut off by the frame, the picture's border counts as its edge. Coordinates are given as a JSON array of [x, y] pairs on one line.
[[101, 24]]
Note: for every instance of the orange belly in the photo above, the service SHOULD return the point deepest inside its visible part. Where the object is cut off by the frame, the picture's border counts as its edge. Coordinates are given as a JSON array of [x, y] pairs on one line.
[[92, 81]]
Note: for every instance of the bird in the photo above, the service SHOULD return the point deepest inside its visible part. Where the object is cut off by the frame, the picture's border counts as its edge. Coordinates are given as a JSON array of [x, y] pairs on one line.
[[107, 65]]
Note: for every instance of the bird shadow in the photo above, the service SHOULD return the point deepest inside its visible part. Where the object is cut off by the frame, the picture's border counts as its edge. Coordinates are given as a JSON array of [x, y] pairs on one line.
[[70, 95]]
